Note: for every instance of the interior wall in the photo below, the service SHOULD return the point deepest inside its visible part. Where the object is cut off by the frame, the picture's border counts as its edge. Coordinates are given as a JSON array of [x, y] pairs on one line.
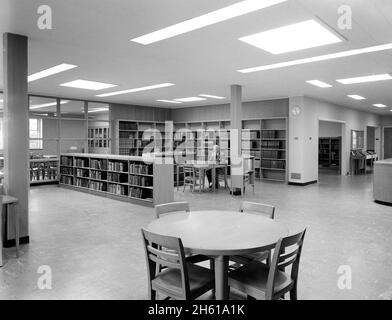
[[303, 144], [329, 129], [250, 110]]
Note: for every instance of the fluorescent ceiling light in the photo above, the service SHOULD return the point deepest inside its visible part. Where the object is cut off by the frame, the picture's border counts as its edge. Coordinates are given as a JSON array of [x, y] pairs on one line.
[[98, 110], [190, 99], [356, 97], [156, 86], [379, 105], [372, 78], [325, 57], [45, 105], [319, 84], [211, 97], [88, 85], [168, 101], [303, 35], [51, 71], [205, 20]]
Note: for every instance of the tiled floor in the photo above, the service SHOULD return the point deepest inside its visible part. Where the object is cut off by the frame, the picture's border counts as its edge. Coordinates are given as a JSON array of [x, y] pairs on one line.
[[93, 245]]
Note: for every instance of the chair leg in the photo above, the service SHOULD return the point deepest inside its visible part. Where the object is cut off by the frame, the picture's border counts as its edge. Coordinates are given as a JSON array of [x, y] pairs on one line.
[[293, 293], [152, 294], [212, 267]]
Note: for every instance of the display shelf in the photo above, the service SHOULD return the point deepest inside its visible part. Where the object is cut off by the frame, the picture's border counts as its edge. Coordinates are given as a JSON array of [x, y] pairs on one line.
[[266, 140], [148, 187], [44, 170], [330, 152]]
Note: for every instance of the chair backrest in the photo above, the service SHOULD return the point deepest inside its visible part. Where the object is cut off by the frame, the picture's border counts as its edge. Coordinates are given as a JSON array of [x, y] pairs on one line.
[[287, 253], [254, 207], [164, 251], [171, 207]]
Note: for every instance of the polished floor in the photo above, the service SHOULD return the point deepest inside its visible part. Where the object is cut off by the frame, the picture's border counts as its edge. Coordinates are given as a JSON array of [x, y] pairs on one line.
[[93, 245]]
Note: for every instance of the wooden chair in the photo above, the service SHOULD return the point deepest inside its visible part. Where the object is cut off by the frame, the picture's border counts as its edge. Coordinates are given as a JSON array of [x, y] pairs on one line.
[[193, 177], [178, 207], [171, 207], [260, 281], [257, 208], [178, 280]]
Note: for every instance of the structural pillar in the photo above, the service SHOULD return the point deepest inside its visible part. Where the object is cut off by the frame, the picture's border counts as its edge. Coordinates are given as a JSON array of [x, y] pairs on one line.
[[16, 125], [235, 137]]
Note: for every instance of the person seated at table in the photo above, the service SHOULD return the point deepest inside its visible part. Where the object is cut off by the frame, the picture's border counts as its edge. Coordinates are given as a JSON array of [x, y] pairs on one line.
[[214, 156]]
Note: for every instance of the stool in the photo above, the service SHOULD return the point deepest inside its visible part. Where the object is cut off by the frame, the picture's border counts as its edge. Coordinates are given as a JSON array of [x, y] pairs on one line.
[[10, 202]]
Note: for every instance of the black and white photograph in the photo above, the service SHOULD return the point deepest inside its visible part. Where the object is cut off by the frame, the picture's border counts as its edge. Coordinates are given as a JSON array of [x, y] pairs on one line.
[[215, 151]]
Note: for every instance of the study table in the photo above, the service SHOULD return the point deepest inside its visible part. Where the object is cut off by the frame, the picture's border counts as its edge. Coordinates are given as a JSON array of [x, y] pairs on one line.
[[220, 234], [205, 165], [8, 201]]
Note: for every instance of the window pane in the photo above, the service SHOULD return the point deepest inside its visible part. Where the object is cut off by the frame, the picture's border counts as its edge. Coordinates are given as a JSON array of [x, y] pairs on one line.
[[42, 107]]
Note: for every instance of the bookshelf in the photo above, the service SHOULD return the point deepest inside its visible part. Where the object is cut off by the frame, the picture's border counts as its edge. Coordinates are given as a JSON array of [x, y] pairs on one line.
[[266, 140], [135, 136], [44, 170], [196, 140], [118, 177], [330, 152]]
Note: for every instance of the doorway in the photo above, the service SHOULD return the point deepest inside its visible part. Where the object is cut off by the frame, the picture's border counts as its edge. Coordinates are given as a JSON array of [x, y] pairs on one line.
[[330, 147], [387, 142]]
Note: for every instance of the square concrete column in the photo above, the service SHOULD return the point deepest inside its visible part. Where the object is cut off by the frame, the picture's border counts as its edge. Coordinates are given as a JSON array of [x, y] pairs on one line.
[[235, 137], [16, 125]]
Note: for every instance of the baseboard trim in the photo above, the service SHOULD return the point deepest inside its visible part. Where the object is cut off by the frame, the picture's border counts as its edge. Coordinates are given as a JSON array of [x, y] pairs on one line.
[[302, 184], [11, 243]]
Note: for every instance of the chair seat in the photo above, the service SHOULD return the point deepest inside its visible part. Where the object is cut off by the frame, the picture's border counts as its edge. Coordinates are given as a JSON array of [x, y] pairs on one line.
[[169, 281], [252, 279], [246, 258]]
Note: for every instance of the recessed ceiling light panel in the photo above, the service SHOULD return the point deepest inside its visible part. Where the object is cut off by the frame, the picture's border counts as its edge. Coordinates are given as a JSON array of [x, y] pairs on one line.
[[51, 71], [211, 96], [190, 99], [372, 78], [379, 105], [356, 97], [88, 85], [169, 101], [155, 86], [325, 57], [294, 37], [226, 13], [319, 83]]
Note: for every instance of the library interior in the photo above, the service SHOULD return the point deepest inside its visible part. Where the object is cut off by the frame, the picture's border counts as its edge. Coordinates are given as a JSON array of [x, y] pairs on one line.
[[231, 149]]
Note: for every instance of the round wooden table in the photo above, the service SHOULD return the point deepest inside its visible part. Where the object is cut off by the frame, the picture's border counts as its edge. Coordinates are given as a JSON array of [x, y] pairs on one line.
[[220, 234]]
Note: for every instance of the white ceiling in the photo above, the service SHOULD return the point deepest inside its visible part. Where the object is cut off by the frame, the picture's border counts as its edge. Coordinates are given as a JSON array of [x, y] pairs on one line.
[[95, 36]]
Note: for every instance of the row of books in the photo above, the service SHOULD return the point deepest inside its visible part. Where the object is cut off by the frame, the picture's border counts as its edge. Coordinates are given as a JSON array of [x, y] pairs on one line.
[[43, 175], [117, 177], [66, 170], [118, 189], [140, 193], [98, 186], [99, 164], [98, 175], [81, 163], [81, 183], [272, 134], [118, 166], [272, 145], [273, 164], [140, 181], [67, 161], [272, 154], [83, 173], [140, 168], [66, 180]]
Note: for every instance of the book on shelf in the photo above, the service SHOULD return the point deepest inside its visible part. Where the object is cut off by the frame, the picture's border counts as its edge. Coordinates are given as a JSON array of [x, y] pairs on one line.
[[117, 166], [137, 168], [83, 163], [83, 183], [117, 189], [100, 164]]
